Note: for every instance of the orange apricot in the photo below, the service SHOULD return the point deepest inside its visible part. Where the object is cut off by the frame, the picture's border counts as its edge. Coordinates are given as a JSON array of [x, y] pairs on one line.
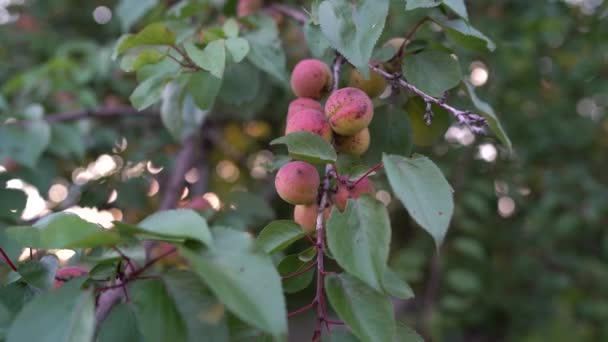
[[349, 110], [311, 78]]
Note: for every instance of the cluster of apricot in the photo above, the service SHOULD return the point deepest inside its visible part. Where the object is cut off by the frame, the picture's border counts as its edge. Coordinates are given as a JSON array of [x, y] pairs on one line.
[[343, 121]]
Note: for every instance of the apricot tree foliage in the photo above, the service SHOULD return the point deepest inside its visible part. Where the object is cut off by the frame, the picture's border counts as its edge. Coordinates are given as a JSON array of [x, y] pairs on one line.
[[363, 106]]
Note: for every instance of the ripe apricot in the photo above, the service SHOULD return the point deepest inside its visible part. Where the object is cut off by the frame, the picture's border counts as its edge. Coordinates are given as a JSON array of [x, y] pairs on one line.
[[373, 87], [340, 198], [306, 216], [349, 110], [309, 120], [355, 144], [67, 273], [311, 78], [247, 7], [303, 103], [297, 182]]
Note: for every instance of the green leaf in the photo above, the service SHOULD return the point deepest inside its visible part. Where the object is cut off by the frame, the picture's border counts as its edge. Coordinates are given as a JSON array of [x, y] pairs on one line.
[[465, 34], [156, 313], [359, 239], [317, 43], [203, 314], [238, 48], [120, 326], [406, 334], [308, 147], [40, 274], [290, 265], [231, 28], [212, 58], [153, 34], [153, 78], [204, 88], [13, 298], [244, 279], [266, 51], [63, 230], [146, 57], [67, 314], [414, 4], [463, 281], [391, 133], [340, 336], [67, 141], [367, 312], [423, 190], [395, 286], [12, 202], [24, 144], [179, 113], [487, 112], [458, 6], [432, 71], [181, 223], [354, 28], [130, 11], [278, 235]]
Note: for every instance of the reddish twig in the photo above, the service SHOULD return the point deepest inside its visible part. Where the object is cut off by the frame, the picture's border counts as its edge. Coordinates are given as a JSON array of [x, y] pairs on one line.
[[292, 13], [8, 260], [367, 173], [335, 322], [409, 36], [302, 271], [301, 310]]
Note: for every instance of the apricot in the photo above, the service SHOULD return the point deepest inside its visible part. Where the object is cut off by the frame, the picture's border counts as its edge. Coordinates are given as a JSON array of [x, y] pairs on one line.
[[247, 7], [306, 216], [423, 134], [373, 87], [309, 120], [297, 182], [355, 144], [340, 198], [311, 78], [349, 110], [67, 273], [303, 103]]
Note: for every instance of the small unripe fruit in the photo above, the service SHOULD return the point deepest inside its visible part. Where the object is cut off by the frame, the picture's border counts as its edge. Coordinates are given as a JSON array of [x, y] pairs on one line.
[[297, 182], [67, 273], [349, 110], [302, 103], [306, 216], [394, 65], [311, 78], [340, 198], [309, 120], [355, 144], [373, 87], [423, 134], [247, 7]]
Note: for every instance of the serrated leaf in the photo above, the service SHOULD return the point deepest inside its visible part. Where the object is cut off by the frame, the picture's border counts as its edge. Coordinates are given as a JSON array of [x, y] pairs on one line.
[[181, 223], [308, 147], [278, 235], [63, 315], [317, 43], [24, 144], [487, 112], [432, 71], [359, 239], [179, 114], [367, 312], [244, 279], [423, 190], [395, 286], [153, 34], [354, 28], [238, 48], [130, 11], [465, 34], [155, 312], [63, 230], [212, 58]]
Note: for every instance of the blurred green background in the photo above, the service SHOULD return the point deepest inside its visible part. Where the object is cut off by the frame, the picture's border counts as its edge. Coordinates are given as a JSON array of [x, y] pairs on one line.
[[526, 258]]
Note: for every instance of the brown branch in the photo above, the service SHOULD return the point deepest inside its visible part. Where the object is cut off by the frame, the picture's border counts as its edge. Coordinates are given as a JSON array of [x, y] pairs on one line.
[[176, 181], [293, 13], [409, 36]]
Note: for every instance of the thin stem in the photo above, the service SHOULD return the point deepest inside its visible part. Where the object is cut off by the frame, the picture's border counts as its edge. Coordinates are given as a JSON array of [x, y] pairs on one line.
[[476, 123], [409, 36], [334, 322], [8, 260], [294, 14], [301, 310], [370, 171], [124, 257], [295, 274]]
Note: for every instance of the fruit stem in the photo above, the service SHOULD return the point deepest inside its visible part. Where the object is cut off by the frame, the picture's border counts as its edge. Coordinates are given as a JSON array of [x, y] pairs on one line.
[[301, 310], [8, 260], [295, 274]]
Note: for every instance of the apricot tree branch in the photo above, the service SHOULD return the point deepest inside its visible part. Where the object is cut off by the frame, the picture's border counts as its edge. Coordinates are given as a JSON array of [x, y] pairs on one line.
[[476, 123], [410, 34]]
